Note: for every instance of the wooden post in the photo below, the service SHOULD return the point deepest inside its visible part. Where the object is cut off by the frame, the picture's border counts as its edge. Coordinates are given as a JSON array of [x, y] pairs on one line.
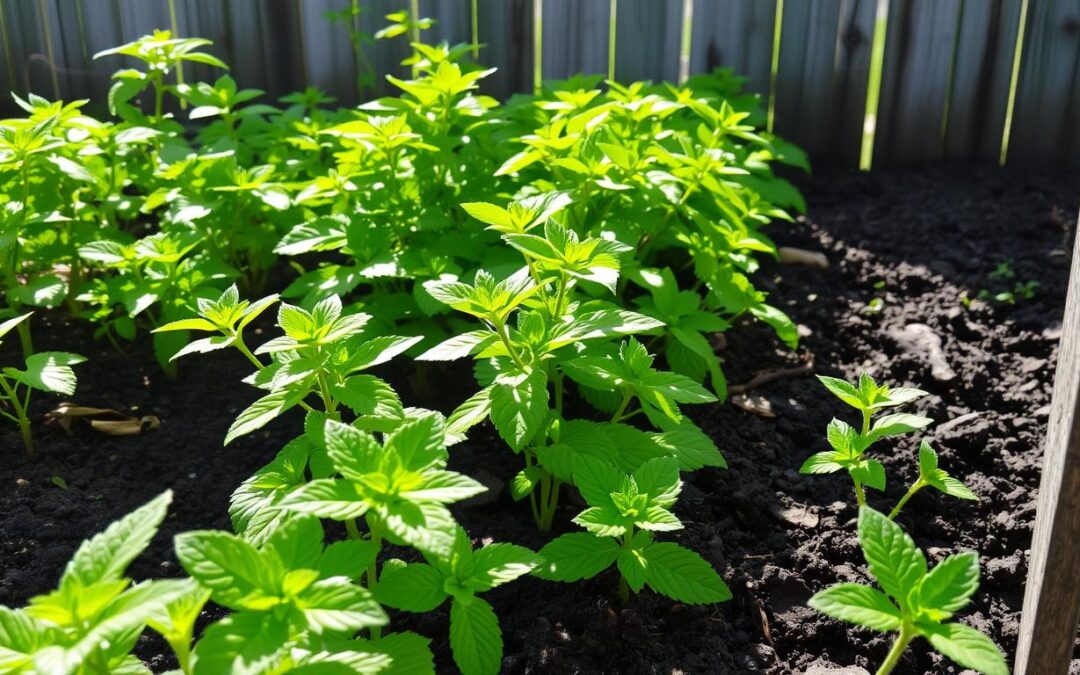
[[1052, 601]]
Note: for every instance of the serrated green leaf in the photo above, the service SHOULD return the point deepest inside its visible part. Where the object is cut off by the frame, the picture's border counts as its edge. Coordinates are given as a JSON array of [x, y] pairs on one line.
[[105, 556], [576, 556], [858, 604], [683, 575], [894, 560], [519, 410], [967, 646], [950, 584], [821, 462], [475, 638], [415, 587], [336, 605]]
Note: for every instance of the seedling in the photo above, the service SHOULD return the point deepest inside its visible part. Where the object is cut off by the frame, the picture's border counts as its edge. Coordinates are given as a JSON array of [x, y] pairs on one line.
[[916, 602], [475, 637], [850, 446], [45, 371], [91, 622], [624, 512]]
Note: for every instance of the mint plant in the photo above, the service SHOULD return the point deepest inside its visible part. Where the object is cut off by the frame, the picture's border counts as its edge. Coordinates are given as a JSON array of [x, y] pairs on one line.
[[295, 602], [91, 622], [400, 487], [914, 601], [850, 446], [461, 576], [624, 512], [45, 371], [321, 354]]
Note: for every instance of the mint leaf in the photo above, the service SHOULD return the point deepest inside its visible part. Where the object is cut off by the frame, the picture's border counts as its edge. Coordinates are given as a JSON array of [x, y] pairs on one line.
[[576, 556], [683, 575], [894, 560], [475, 638], [966, 646], [858, 604]]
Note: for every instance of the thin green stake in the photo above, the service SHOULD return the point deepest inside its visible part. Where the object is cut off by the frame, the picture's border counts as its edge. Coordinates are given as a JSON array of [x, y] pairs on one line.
[[49, 49], [1014, 81], [174, 26], [684, 43], [475, 32], [612, 12], [873, 86], [774, 68], [538, 44]]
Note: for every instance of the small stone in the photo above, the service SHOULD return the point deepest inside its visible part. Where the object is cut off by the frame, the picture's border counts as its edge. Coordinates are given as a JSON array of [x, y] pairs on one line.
[[1053, 331], [920, 340], [1043, 411], [799, 516], [1030, 365], [22, 482], [804, 330]]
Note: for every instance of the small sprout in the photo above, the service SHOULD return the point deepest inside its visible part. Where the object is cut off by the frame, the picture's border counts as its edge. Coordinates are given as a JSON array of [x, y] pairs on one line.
[[913, 601]]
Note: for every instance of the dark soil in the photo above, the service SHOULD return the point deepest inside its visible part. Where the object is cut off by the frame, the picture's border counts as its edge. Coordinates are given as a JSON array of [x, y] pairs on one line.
[[917, 241]]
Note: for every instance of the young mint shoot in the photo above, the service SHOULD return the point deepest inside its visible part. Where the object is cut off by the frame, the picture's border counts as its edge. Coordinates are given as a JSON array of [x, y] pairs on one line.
[[913, 601], [624, 512], [45, 371]]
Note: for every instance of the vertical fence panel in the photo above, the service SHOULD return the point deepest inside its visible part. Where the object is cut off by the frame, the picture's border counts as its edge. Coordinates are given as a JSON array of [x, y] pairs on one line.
[[385, 56], [26, 40], [1044, 123], [736, 34], [987, 34], [647, 34], [453, 20], [506, 28], [68, 50], [575, 37], [329, 58], [915, 79], [822, 75], [204, 19]]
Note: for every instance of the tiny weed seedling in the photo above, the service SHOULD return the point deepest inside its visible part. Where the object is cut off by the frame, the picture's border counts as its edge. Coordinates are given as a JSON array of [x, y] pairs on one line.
[[850, 445], [45, 371], [916, 602], [475, 637], [624, 512]]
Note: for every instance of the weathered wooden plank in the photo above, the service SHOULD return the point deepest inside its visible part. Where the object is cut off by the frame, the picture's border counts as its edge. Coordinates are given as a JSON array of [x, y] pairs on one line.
[[987, 33], [506, 28], [647, 36], [204, 19], [1043, 124], [736, 34], [822, 76], [1052, 600], [575, 37], [915, 80]]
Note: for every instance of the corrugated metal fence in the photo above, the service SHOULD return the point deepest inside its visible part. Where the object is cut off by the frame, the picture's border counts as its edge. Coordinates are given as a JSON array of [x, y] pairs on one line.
[[953, 83]]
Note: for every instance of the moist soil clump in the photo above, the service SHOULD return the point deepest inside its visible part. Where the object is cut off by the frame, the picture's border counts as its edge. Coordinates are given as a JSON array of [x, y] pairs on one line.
[[909, 254]]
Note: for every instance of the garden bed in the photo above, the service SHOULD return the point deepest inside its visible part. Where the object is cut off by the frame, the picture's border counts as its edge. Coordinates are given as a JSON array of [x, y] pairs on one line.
[[916, 240]]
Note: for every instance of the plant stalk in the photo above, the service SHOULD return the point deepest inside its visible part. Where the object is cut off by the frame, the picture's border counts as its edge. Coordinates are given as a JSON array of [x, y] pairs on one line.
[[915, 487], [893, 657]]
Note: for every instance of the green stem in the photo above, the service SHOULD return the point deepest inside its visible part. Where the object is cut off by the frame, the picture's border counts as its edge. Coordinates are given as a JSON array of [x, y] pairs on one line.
[[860, 496], [893, 657], [561, 294], [622, 406], [504, 335], [239, 343], [372, 571], [624, 591], [20, 414], [351, 529], [915, 487]]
